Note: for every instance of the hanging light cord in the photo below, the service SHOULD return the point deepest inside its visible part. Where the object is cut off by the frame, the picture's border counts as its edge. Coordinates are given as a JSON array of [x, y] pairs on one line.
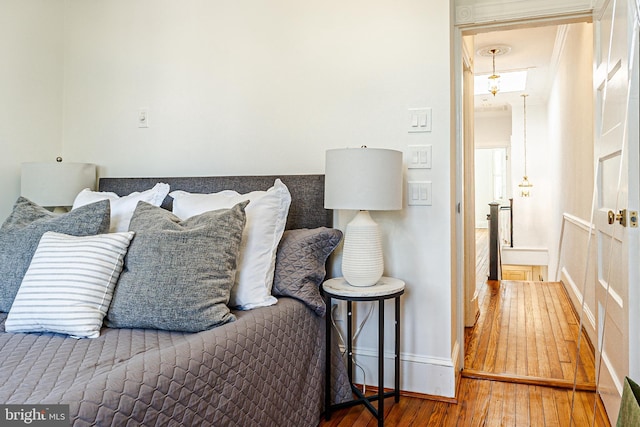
[[524, 97], [493, 55]]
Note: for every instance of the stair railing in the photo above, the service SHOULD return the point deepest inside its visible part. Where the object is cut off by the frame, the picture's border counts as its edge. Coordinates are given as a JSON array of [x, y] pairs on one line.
[[500, 234]]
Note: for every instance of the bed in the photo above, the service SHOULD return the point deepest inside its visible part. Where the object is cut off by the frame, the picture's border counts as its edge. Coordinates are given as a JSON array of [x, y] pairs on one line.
[[265, 368]]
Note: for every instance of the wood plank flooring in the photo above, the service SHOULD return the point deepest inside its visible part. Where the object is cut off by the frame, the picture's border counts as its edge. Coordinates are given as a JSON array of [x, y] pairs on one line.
[[526, 329], [529, 329], [519, 359], [483, 403]]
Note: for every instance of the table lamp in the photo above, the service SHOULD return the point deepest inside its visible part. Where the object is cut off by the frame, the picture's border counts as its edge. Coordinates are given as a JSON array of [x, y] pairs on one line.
[[363, 179], [56, 184]]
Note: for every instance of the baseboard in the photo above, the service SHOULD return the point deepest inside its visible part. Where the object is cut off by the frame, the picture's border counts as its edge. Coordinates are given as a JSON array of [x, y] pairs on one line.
[[422, 375], [576, 298], [412, 394]]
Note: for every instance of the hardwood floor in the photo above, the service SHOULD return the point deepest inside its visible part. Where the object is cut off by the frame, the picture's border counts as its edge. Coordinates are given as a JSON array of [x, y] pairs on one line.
[[529, 329], [520, 361], [483, 403]]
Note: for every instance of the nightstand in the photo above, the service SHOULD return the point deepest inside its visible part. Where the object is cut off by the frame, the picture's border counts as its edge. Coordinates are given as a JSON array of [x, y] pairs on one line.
[[386, 288]]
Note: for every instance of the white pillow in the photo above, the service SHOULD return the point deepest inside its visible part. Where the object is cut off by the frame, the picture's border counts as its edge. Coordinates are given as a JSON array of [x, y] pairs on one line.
[[69, 284], [266, 218], [122, 207]]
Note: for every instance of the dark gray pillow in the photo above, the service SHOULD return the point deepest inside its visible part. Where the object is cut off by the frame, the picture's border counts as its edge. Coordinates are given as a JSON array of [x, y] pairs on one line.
[[178, 274], [300, 264], [21, 232]]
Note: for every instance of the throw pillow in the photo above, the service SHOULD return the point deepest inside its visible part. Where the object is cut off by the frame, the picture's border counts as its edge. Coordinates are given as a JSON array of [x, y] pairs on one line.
[[21, 232], [122, 207], [266, 218], [69, 284], [178, 274], [300, 264]]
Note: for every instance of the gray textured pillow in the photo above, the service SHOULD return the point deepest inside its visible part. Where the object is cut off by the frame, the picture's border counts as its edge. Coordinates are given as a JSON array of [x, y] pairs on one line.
[[300, 264], [21, 232], [178, 274]]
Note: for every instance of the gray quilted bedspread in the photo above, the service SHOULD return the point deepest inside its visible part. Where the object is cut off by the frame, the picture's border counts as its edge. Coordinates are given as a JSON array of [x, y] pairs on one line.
[[265, 369]]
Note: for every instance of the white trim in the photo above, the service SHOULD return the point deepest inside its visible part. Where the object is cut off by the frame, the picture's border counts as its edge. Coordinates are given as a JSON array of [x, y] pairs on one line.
[[612, 372], [455, 356], [506, 10], [404, 357], [524, 256], [612, 293], [420, 374], [579, 222], [568, 281]]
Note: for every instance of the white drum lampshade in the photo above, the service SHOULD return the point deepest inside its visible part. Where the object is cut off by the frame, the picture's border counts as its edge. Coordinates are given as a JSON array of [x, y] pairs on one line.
[[56, 184], [363, 179]]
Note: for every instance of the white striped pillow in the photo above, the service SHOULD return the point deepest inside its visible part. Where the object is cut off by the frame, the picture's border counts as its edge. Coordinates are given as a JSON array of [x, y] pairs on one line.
[[69, 284]]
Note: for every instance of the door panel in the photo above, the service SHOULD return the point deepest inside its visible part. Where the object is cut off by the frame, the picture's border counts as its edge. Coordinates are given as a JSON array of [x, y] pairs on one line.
[[609, 169], [616, 244]]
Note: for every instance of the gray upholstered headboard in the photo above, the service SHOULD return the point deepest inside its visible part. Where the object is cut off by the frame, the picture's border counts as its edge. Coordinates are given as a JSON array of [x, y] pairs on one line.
[[307, 192]]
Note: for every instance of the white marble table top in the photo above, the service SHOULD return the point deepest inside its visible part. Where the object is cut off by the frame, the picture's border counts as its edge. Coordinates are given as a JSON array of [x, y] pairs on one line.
[[385, 286]]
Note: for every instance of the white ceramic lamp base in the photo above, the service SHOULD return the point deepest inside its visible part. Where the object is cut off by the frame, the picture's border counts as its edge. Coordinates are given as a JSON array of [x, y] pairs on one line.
[[362, 262]]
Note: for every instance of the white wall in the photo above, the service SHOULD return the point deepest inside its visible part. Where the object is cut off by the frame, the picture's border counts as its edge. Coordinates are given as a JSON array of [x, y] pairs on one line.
[[30, 89], [265, 88], [492, 129], [483, 161], [570, 102], [531, 215]]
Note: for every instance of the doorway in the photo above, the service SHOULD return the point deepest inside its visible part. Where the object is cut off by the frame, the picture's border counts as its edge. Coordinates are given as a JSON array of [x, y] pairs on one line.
[[556, 156], [553, 155]]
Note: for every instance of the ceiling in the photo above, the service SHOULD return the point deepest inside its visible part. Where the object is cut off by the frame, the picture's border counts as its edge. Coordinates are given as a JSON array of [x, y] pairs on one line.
[[532, 49]]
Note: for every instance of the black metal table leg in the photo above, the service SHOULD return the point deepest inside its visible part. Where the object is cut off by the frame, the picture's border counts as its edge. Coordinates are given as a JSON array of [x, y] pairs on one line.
[[350, 341], [380, 362], [397, 352], [327, 360]]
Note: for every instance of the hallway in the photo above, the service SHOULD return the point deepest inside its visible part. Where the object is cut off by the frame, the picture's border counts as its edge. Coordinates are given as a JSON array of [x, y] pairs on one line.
[[526, 332]]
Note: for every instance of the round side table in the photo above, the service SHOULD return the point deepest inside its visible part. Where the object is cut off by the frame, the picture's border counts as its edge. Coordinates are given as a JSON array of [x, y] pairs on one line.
[[386, 288]]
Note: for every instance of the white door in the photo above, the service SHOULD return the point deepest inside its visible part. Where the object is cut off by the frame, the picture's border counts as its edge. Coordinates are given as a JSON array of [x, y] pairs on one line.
[[617, 181]]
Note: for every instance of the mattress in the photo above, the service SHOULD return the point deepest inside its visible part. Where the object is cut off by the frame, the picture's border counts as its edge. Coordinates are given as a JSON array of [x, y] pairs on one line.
[[264, 369]]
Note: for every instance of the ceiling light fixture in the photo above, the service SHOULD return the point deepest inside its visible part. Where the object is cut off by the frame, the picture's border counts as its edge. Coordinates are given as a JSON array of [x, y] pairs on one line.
[[494, 79], [493, 51], [525, 185]]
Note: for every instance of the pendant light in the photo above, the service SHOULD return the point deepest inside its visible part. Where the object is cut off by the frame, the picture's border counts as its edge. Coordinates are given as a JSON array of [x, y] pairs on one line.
[[525, 185], [494, 79]]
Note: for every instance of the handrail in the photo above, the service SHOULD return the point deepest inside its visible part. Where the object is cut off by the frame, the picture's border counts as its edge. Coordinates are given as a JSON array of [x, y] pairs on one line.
[[510, 222], [497, 233], [494, 242]]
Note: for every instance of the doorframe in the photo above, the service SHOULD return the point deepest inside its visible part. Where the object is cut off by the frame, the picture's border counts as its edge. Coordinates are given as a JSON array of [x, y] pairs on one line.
[[465, 209], [471, 310]]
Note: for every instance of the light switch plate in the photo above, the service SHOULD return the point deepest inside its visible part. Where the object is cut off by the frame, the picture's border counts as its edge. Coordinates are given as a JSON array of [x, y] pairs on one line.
[[419, 157], [419, 193], [143, 118], [419, 120]]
